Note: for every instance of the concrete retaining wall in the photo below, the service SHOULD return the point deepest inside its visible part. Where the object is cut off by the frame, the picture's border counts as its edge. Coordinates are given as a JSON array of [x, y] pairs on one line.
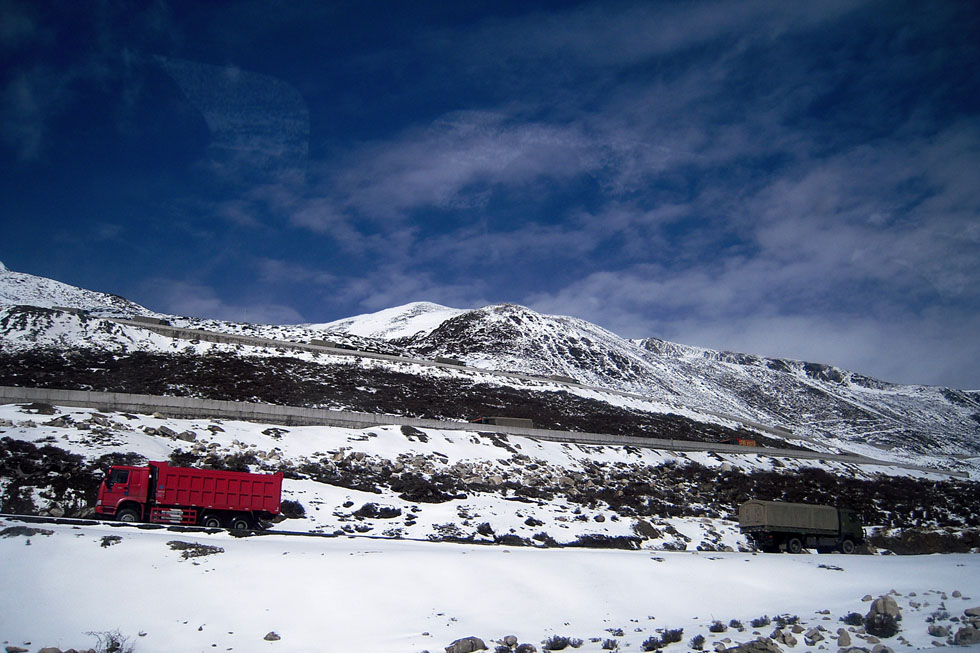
[[299, 416]]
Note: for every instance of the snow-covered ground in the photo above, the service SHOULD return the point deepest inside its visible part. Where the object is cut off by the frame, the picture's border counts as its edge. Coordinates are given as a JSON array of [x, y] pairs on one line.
[[481, 515], [362, 594]]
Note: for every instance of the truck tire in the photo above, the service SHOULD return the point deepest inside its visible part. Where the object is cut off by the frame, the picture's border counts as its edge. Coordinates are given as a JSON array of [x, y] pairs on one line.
[[847, 546], [794, 545], [239, 523], [128, 515], [211, 521]]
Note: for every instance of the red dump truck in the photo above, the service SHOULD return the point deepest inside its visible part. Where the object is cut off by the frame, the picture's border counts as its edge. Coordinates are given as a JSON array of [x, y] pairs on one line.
[[182, 495]]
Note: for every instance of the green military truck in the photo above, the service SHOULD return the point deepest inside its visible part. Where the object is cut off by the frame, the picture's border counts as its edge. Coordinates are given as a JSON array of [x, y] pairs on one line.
[[780, 526]]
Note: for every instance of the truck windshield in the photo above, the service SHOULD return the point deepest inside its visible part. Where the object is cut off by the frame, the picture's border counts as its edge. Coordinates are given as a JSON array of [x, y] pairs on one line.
[[117, 476]]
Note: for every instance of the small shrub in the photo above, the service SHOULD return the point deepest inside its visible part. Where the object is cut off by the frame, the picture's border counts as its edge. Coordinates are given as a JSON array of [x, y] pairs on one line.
[[111, 641], [610, 645], [784, 620], [668, 637], [109, 540], [292, 509], [853, 619], [697, 642], [525, 648], [881, 625], [759, 622], [717, 627], [736, 624], [555, 643]]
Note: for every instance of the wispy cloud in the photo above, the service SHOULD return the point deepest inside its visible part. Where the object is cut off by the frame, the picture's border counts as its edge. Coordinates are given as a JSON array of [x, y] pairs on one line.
[[200, 300]]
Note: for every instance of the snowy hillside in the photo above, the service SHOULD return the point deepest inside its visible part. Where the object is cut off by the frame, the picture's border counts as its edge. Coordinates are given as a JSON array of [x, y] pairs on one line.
[[17, 288]]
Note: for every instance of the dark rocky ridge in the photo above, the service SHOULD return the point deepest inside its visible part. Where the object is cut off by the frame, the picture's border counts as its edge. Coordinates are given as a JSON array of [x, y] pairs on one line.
[[290, 381]]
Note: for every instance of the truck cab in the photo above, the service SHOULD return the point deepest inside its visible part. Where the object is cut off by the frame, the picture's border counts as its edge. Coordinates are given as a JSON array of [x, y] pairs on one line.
[[123, 493]]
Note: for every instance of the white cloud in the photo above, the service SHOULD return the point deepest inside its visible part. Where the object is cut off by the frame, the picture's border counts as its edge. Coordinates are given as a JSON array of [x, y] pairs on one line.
[[199, 300]]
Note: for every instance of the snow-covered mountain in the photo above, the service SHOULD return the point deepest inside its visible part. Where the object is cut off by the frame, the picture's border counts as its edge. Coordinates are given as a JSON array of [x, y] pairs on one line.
[[816, 403], [18, 288]]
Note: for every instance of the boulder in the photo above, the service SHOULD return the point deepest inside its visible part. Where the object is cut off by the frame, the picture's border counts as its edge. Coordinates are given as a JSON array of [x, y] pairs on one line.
[[843, 638], [884, 605], [881, 648], [271, 636], [50, 649], [466, 645], [972, 612], [167, 432], [646, 530], [782, 637], [16, 649], [187, 436], [938, 631], [761, 645], [510, 640], [967, 636]]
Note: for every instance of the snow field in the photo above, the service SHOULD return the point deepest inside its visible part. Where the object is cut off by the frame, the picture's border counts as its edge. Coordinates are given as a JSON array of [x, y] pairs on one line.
[[345, 594]]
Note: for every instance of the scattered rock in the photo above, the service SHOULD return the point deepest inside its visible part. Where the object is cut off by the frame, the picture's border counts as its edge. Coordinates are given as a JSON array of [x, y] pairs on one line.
[[466, 645], [646, 530], [509, 640], [781, 637], [972, 612], [881, 648], [761, 645], [938, 631], [843, 638], [813, 636], [271, 636], [884, 605], [967, 636]]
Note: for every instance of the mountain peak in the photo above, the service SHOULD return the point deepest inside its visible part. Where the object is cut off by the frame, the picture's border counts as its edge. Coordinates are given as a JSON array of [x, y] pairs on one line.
[[397, 322]]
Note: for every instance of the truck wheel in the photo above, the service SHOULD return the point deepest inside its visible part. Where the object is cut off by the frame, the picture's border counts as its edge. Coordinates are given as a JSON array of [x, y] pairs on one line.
[[847, 546], [128, 515], [794, 545], [211, 521], [240, 524]]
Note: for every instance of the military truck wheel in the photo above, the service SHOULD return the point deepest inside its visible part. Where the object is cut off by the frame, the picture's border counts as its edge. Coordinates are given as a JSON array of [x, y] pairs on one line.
[[128, 515], [847, 546], [794, 545], [240, 524], [211, 521]]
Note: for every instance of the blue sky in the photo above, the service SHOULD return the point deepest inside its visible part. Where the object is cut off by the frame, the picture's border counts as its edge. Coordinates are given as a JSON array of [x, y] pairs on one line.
[[782, 178]]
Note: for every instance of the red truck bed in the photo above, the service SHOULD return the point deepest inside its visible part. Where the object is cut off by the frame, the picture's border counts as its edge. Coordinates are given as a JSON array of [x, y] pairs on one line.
[[219, 490]]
